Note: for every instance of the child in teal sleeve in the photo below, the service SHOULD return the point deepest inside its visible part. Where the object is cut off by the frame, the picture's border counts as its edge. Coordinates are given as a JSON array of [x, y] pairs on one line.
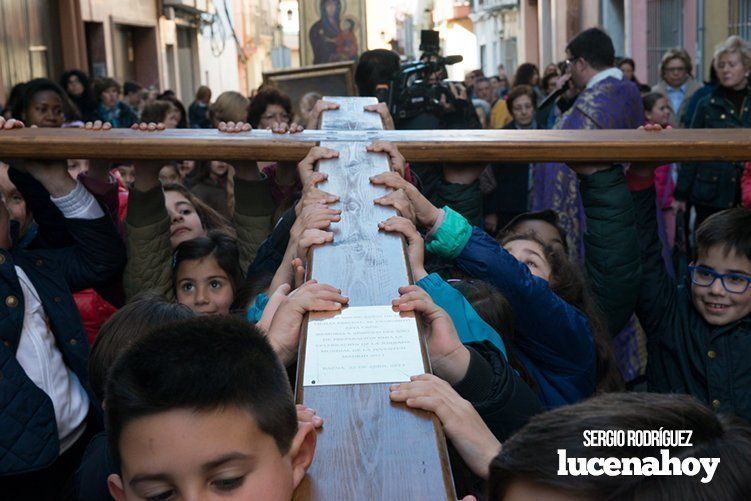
[[255, 310], [468, 323], [554, 336]]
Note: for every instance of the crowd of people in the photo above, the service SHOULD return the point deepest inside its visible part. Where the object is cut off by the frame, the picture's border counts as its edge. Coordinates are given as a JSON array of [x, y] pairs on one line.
[[677, 100], [153, 309]]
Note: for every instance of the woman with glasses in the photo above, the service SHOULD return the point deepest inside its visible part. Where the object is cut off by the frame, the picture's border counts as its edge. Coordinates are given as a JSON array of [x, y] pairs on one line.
[[511, 195], [713, 186], [268, 108], [677, 84]]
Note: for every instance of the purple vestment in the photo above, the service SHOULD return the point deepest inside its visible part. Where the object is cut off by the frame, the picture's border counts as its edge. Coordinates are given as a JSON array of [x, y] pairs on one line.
[[609, 104]]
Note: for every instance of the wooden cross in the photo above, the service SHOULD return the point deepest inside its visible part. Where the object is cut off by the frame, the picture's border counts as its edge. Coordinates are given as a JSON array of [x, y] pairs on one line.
[[369, 448]]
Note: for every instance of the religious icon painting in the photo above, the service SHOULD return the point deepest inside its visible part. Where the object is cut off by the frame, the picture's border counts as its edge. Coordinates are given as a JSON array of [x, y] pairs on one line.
[[331, 31]]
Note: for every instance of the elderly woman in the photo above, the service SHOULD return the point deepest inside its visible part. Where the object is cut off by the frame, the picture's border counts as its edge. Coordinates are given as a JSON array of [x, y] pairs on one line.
[[677, 84], [511, 194], [269, 108], [712, 187]]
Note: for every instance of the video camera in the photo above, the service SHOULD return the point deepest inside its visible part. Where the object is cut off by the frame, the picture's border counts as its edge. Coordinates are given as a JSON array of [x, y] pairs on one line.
[[418, 88]]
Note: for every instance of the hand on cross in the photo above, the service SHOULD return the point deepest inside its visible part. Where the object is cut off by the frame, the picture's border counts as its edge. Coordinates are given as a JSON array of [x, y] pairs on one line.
[[312, 195], [382, 109], [272, 305], [415, 243], [646, 169], [313, 217], [98, 125], [147, 171], [399, 200], [234, 127], [244, 169], [147, 126], [448, 356], [425, 212], [315, 113], [284, 332], [52, 174], [396, 159], [308, 239], [307, 165], [465, 428], [308, 415], [11, 123], [99, 168], [284, 127]]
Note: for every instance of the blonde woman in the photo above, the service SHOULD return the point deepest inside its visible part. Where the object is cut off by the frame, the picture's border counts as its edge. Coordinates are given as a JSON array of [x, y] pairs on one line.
[[714, 186], [230, 106]]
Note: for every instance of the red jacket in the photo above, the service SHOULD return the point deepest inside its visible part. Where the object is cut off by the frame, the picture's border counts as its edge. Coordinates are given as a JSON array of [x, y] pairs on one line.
[[94, 309]]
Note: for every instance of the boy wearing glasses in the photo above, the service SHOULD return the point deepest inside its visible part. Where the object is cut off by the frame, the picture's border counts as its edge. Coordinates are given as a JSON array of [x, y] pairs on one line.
[[699, 332]]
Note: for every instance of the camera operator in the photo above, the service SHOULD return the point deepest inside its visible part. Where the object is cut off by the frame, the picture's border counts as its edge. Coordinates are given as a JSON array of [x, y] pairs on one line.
[[455, 185]]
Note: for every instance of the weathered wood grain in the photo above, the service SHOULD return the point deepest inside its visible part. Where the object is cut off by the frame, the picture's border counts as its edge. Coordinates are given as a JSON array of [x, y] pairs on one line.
[[368, 265], [423, 146], [350, 116], [369, 447]]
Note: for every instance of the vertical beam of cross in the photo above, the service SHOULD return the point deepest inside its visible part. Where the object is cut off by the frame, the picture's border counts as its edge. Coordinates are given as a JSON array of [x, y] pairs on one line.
[[369, 448]]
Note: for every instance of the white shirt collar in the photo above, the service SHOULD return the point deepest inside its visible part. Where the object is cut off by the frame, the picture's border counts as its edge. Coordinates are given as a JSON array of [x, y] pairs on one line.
[[599, 77]]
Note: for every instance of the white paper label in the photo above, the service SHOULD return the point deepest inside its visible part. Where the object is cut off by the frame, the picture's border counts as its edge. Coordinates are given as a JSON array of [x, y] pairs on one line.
[[362, 345]]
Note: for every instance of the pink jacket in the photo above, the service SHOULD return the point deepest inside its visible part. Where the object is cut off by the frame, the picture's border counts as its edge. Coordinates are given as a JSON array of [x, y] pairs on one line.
[[746, 186], [665, 186]]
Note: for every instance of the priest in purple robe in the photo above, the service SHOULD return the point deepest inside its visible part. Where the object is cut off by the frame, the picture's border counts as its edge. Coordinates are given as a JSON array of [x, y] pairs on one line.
[[605, 101]]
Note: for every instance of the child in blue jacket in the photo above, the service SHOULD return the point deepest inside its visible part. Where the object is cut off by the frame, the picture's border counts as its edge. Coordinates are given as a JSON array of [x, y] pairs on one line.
[[554, 317]]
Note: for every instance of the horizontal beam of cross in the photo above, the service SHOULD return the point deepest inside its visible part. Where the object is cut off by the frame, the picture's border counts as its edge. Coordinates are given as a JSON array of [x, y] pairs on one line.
[[417, 146]]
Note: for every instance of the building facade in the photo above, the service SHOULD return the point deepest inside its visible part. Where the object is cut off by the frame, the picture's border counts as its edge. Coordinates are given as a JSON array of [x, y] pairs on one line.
[[451, 18], [668, 23], [30, 40], [537, 30], [497, 29], [647, 28], [511, 32], [165, 44]]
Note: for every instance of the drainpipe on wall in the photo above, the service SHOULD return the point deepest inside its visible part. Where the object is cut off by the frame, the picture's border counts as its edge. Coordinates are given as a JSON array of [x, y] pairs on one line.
[[700, 38], [628, 39]]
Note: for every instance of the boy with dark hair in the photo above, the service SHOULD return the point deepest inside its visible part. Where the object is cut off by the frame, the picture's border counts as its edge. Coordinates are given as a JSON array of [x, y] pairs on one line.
[[132, 96], [563, 455], [204, 407], [537, 462], [698, 332]]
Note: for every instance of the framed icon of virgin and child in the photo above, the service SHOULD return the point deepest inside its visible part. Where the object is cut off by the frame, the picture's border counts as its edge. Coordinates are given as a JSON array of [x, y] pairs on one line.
[[331, 31]]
